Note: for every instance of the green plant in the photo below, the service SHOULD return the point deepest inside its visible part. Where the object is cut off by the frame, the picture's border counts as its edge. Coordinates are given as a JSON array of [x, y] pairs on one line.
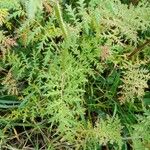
[[72, 75]]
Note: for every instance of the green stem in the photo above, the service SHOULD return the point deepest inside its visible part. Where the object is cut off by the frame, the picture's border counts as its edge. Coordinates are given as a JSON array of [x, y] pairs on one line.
[[60, 19], [64, 31]]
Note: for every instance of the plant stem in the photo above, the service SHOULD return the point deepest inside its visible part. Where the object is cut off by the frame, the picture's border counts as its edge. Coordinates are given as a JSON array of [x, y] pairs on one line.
[[60, 19], [139, 48]]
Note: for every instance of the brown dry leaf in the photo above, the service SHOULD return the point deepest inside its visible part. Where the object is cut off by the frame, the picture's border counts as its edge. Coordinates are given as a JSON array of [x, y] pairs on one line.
[[47, 7], [105, 52], [9, 42], [10, 84]]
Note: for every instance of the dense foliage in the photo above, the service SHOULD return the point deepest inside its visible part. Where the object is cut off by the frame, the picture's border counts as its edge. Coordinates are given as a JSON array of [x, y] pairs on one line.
[[74, 74]]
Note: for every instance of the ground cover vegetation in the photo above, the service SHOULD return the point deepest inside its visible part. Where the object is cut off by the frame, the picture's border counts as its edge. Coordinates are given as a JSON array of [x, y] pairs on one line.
[[74, 75]]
